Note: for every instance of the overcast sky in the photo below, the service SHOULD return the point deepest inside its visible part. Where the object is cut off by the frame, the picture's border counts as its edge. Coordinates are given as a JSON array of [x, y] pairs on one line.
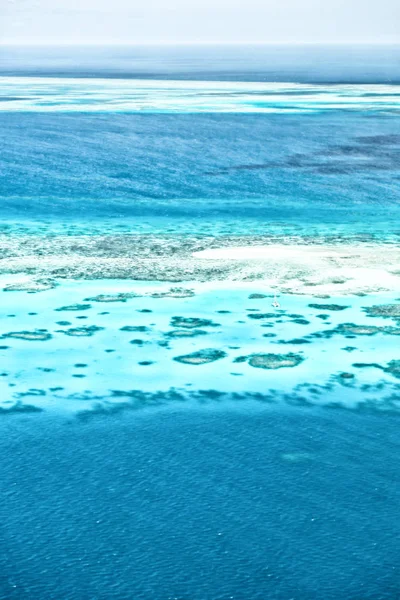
[[171, 21]]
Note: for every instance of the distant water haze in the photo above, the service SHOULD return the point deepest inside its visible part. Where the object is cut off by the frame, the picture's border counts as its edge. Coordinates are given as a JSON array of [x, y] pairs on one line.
[[241, 62]]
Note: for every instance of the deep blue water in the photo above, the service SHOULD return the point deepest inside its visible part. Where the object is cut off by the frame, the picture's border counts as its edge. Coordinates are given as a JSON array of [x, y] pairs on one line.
[[331, 167], [201, 505]]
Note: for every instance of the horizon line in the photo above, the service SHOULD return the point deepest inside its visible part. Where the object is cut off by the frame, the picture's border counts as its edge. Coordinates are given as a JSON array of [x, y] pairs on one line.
[[31, 44]]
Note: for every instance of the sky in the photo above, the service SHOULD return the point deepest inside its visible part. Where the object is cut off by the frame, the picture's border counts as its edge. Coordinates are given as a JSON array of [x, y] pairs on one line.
[[198, 21]]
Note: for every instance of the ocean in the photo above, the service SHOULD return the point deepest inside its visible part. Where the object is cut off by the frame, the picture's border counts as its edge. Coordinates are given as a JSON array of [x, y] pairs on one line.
[[199, 324]]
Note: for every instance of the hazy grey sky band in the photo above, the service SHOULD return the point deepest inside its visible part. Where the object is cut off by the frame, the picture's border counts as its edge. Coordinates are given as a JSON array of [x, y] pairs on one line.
[[206, 21]]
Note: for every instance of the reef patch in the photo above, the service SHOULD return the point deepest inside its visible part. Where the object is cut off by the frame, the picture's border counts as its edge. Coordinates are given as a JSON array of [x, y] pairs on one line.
[[185, 333], [260, 316], [42, 285], [31, 336], [331, 307], [393, 367], [137, 342], [175, 292], [201, 357], [385, 311], [121, 297], [271, 361], [82, 331], [353, 330], [192, 322], [258, 296], [74, 307]]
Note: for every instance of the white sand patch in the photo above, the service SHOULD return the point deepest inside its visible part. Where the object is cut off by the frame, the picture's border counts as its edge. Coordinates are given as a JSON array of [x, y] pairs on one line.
[[11, 278], [302, 269], [294, 253]]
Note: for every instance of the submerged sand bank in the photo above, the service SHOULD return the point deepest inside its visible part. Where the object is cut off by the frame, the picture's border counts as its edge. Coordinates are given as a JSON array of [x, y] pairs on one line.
[[291, 266]]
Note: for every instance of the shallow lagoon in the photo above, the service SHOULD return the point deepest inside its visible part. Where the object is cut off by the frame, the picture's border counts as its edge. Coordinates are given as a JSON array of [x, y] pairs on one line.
[[90, 344]]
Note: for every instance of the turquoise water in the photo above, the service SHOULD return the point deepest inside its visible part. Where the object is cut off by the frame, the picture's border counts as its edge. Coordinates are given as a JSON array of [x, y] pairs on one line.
[[166, 431], [105, 350]]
